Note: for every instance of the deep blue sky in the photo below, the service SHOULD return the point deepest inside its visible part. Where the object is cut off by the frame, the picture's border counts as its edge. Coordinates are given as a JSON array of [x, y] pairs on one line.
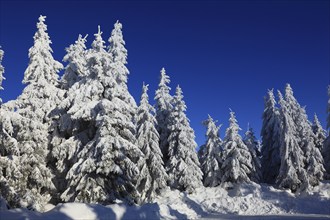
[[224, 54]]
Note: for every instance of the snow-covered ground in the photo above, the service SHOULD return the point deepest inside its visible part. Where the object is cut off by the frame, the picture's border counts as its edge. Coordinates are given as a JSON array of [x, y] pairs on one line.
[[250, 201]]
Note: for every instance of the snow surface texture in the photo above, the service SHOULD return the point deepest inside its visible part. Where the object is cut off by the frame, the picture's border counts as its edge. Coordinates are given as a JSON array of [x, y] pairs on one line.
[[250, 201]]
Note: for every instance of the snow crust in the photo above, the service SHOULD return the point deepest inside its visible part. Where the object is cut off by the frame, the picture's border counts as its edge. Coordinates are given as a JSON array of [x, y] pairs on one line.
[[251, 201]]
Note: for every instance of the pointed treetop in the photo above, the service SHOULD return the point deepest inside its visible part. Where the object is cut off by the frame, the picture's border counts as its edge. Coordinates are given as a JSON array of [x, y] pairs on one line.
[[232, 130], [145, 87], [271, 97], [232, 119], [42, 27], [280, 96], [144, 96], [42, 18], [210, 123], [178, 102], [2, 69], [118, 25], [82, 39], [78, 44], [178, 92], [288, 91], [271, 92], [164, 78], [316, 121], [117, 45], [42, 67], [210, 119], [98, 43]]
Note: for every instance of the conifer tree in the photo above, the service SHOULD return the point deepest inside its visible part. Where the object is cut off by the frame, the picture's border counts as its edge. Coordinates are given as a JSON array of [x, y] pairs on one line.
[[42, 67], [319, 132], [74, 118], [292, 173], [312, 156], [105, 168], [326, 145], [163, 110], [76, 58], [270, 133], [31, 125], [183, 167], [211, 160], [251, 142], [118, 53], [153, 177], [237, 165], [2, 70], [5, 190]]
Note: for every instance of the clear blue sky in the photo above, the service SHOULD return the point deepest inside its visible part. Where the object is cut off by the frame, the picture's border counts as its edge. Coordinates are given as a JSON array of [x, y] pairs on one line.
[[224, 54]]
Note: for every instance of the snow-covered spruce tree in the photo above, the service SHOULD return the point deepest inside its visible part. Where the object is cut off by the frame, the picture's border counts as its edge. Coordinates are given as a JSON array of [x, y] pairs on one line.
[[119, 54], [64, 142], [237, 160], [3, 180], [152, 176], [2, 70], [211, 159], [326, 144], [9, 163], [75, 117], [270, 133], [12, 164], [163, 110], [319, 132], [292, 174], [313, 159], [76, 58], [77, 123], [31, 128], [106, 166], [252, 143], [183, 167]]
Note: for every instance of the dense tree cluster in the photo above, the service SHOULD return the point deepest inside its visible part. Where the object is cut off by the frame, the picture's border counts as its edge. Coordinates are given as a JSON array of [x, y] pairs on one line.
[[83, 138]]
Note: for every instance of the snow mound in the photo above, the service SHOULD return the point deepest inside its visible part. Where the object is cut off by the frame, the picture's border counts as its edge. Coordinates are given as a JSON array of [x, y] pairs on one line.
[[251, 201]]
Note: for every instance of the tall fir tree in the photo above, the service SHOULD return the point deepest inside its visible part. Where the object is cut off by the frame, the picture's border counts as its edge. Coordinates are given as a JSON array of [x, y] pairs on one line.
[[119, 54], [183, 167], [326, 144], [319, 132], [153, 177], [211, 158], [313, 161], [106, 166], [163, 110], [2, 70], [32, 124], [237, 165], [292, 173], [42, 67], [252, 143], [3, 180], [75, 117], [270, 134], [9, 163], [76, 58]]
